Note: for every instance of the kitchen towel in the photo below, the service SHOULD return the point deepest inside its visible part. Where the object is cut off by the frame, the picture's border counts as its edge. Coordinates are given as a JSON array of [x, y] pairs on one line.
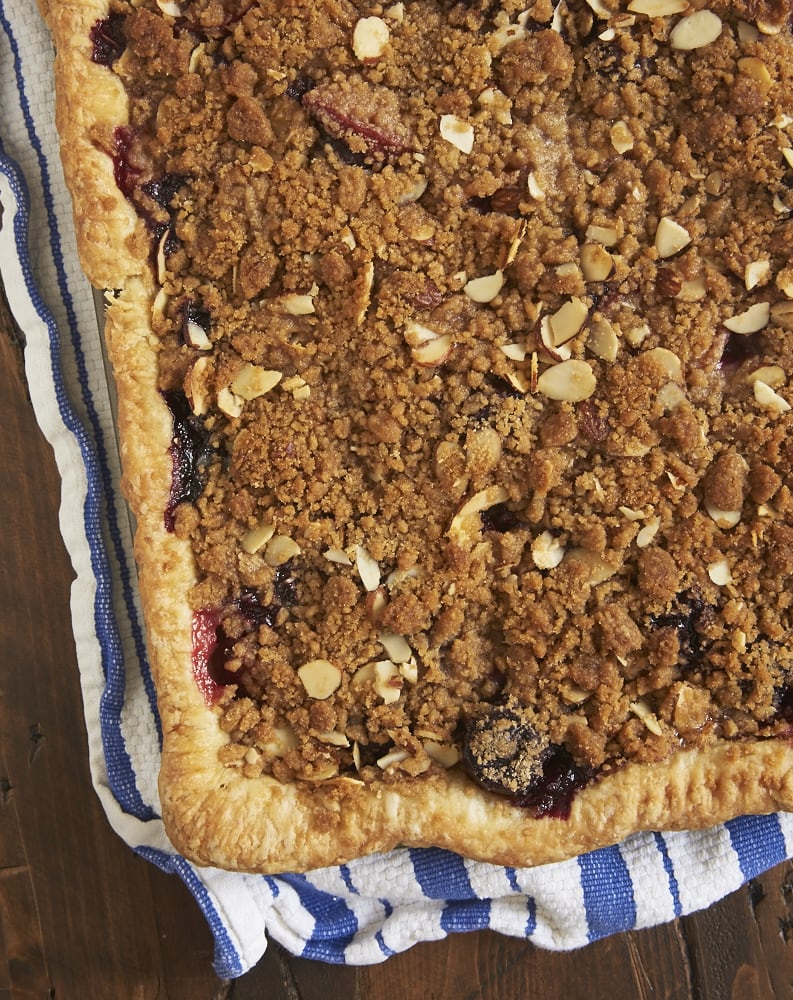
[[357, 913]]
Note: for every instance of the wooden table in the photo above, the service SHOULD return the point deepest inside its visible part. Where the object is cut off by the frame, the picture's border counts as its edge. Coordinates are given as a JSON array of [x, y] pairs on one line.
[[82, 917]]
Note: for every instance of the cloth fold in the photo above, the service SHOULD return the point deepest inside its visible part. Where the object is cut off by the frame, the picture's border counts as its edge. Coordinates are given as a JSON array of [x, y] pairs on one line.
[[358, 913]]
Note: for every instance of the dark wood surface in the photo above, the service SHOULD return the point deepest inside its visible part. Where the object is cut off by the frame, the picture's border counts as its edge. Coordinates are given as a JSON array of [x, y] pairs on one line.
[[81, 917]]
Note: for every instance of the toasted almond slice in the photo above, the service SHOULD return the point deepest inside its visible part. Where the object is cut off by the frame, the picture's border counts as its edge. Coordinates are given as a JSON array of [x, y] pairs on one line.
[[457, 132], [257, 538], [570, 381], [772, 375], [658, 8], [485, 288], [447, 755], [667, 361], [596, 262], [370, 38], [670, 237], [368, 568], [768, 399], [230, 403], [696, 30], [433, 352], [725, 519], [320, 678], [251, 381], [602, 340], [388, 681], [648, 532], [547, 551], [568, 320], [719, 572], [280, 549], [753, 319], [396, 646]]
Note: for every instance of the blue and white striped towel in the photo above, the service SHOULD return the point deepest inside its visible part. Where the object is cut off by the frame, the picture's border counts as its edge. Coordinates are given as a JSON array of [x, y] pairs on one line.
[[358, 913]]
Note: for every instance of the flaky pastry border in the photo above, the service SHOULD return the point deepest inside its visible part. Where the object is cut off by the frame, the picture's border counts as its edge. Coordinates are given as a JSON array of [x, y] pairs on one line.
[[214, 814]]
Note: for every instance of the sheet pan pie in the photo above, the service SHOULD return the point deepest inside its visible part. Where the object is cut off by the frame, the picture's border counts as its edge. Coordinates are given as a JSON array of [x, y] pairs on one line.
[[453, 345]]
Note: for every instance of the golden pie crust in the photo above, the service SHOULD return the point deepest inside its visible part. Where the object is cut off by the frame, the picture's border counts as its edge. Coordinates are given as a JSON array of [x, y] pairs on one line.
[[217, 814]]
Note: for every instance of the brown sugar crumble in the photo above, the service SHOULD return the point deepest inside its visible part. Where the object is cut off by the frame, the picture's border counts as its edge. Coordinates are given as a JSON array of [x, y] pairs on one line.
[[485, 314]]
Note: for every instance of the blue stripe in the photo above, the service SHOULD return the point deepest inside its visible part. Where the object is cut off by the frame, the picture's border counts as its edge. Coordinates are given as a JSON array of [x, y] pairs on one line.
[[346, 876], [388, 952], [609, 902], [531, 919], [440, 874], [99, 479], [759, 843], [512, 878], [466, 915], [335, 924], [669, 868], [226, 961]]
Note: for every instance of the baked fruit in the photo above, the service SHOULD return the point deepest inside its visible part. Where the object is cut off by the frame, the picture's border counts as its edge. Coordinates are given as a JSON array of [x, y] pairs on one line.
[[452, 343]]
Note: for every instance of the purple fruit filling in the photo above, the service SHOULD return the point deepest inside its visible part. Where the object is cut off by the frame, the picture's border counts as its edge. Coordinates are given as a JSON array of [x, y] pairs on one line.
[[108, 39], [189, 449]]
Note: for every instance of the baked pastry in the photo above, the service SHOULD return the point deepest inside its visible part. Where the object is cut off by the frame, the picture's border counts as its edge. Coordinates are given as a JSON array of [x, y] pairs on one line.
[[452, 343]]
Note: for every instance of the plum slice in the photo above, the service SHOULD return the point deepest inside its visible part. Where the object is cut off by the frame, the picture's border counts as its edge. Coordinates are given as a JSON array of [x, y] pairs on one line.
[[504, 753], [189, 450]]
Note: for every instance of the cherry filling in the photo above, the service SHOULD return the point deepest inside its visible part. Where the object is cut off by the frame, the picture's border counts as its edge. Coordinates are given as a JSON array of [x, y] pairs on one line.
[[127, 175], [108, 39], [689, 623], [210, 653], [189, 450], [739, 347], [212, 645], [504, 753]]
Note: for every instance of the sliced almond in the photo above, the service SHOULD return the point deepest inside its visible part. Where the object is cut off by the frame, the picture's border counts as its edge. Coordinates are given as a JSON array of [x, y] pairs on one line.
[[195, 385], [457, 132], [568, 320], [485, 288], [695, 31], [621, 137], [755, 68], [300, 304], [602, 340], [396, 646], [596, 262], [251, 381], [753, 319], [370, 38], [337, 556], [769, 399], [320, 678], [658, 8], [257, 538], [466, 523], [368, 568], [719, 572], [447, 755], [434, 352], [725, 519], [334, 738], [570, 381], [670, 237], [772, 375], [667, 361], [643, 711], [607, 236], [547, 551], [392, 758], [648, 532], [280, 549], [230, 403], [388, 681]]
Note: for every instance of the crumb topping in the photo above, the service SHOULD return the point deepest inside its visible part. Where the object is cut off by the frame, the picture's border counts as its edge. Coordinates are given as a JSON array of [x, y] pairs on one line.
[[484, 312]]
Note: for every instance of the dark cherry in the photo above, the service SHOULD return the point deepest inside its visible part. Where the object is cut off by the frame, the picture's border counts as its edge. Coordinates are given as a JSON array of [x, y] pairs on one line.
[[504, 753], [689, 622], [108, 39], [210, 653], [783, 703], [300, 86], [562, 779], [189, 450], [501, 518], [254, 612], [286, 585], [126, 175], [739, 347], [162, 189]]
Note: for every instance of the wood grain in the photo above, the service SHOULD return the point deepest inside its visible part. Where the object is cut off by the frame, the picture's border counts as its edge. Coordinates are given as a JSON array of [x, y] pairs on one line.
[[81, 917]]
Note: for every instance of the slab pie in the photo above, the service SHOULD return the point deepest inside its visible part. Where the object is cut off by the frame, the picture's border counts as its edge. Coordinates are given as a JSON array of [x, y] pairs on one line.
[[453, 346]]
